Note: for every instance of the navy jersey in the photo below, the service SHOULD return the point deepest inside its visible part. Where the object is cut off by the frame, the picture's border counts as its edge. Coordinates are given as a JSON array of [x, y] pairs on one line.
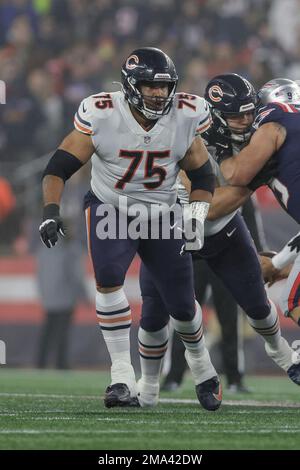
[[286, 186]]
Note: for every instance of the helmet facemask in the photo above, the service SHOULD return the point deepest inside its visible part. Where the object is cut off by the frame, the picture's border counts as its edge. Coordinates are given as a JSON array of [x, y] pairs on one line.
[[240, 135], [139, 101], [233, 134]]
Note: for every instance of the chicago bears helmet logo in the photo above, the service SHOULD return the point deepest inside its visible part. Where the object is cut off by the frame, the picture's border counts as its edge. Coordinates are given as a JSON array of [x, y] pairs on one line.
[[215, 93], [132, 62]]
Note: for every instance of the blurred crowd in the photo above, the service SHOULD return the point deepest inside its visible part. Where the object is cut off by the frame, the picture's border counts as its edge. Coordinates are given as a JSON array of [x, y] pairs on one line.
[[55, 52]]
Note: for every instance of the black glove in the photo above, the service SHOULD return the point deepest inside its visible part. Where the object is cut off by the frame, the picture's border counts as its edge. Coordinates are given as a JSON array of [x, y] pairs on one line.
[[51, 225], [219, 137], [295, 244], [223, 151], [268, 171]]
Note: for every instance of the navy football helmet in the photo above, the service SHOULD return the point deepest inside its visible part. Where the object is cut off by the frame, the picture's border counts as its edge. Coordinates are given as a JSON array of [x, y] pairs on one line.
[[144, 66], [230, 95]]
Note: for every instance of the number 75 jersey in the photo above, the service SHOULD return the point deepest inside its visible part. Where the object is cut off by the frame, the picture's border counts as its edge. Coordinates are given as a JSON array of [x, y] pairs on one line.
[[129, 161]]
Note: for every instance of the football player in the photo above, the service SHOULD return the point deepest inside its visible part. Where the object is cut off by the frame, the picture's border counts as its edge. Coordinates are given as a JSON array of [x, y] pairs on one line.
[[228, 248], [279, 267], [276, 139], [137, 140]]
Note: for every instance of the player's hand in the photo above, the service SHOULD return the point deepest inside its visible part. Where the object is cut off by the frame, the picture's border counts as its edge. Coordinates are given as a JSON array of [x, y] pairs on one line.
[[280, 274], [52, 225], [269, 271], [266, 174], [193, 235]]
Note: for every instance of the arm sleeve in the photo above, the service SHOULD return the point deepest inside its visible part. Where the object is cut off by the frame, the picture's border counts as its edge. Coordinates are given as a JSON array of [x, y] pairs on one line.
[[273, 112], [285, 256]]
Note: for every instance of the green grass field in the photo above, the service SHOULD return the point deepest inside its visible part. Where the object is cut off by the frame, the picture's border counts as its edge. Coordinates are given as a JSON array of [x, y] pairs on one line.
[[53, 410]]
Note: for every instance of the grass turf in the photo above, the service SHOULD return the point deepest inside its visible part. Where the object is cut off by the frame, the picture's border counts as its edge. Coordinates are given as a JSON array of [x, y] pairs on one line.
[[64, 410]]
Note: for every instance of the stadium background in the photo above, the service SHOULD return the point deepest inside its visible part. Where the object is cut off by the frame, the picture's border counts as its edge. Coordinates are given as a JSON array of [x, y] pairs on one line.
[[54, 53]]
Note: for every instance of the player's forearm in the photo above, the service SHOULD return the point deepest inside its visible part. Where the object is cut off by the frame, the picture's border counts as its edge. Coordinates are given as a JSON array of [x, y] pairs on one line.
[[196, 195], [201, 195], [226, 199], [234, 173], [240, 169], [53, 187]]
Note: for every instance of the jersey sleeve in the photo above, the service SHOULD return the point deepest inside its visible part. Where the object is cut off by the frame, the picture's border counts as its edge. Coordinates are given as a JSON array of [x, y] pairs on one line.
[[273, 112], [83, 118], [182, 192], [205, 120]]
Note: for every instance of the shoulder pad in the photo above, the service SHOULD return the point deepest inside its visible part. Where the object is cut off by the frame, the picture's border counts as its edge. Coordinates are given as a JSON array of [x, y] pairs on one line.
[[273, 112], [195, 107], [103, 104], [98, 106], [205, 119]]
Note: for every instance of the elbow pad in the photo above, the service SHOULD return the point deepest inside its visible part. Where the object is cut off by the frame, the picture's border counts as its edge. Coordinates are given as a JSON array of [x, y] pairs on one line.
[[62, 164], [202, 178]]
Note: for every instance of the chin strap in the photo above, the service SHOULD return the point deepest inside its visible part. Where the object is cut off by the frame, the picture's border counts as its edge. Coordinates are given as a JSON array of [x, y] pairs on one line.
[[240, 138]]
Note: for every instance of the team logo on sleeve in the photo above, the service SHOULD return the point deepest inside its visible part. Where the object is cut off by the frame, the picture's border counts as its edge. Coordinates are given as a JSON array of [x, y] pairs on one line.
[[261, 116], [215, 93], [132, 62]]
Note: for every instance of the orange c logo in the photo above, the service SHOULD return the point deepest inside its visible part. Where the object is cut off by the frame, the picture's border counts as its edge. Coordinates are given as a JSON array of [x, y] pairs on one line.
[[215, 93], [132, 62]]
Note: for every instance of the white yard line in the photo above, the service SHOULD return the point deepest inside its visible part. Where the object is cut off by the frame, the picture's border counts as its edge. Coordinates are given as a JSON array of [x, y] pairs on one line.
[[186, 401], [254, 403], [149, 431]]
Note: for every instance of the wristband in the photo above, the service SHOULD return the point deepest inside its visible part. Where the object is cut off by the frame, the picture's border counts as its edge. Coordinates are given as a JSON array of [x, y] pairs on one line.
[[50, 211]]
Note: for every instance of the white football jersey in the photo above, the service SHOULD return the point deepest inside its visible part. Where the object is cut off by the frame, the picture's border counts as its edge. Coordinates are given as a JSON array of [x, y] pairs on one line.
[[129, 161]]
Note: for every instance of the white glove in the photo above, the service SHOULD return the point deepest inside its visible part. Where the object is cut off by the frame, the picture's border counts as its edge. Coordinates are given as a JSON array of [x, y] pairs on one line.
[[194, 216]]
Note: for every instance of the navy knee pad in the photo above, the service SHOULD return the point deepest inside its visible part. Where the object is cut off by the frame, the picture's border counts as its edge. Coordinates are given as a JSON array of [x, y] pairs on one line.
[[259, 312], [110, 275], [187, 314], [154, 314]]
